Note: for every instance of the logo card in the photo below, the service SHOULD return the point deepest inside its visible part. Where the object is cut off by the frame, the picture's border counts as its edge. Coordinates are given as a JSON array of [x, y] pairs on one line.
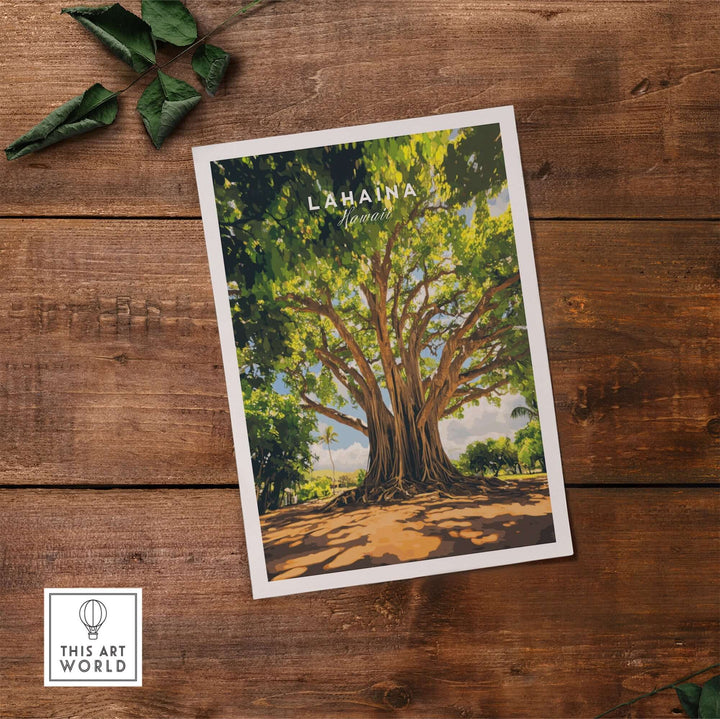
[[93, 637]]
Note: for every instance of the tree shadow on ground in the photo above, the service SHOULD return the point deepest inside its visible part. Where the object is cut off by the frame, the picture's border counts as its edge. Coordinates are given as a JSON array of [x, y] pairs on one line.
[[305, 541]]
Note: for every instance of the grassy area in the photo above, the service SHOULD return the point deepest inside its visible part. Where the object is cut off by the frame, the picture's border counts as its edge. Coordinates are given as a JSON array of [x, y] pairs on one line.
[[318, 483], [528, 475], [341, 478]]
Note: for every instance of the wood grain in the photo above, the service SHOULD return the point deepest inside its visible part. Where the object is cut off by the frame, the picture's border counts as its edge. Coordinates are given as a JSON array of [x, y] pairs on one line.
[[632, 316], [635, 608], [110, 368], [618, 101]]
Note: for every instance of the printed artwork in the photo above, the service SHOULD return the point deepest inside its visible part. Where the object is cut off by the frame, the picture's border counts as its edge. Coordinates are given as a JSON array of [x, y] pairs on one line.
[[384, 352]]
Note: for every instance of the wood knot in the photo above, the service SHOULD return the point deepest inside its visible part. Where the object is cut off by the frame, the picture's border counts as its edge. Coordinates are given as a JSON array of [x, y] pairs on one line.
[[544, 171], [137, 557], [713, 427], [576, 304], [391, 695], [582, 414], [121, 358], [641, 88], [546, 14]]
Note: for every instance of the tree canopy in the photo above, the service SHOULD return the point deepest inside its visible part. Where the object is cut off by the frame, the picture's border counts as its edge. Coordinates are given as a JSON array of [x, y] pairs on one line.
[[529, 445]]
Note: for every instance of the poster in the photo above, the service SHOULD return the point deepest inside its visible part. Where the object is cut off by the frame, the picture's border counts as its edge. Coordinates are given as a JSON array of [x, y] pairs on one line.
[[384, 351]]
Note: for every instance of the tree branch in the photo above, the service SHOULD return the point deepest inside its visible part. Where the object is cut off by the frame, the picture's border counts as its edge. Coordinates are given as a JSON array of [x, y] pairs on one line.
[[327, 310], [469, 396], [340, 371], [332, 413], [443, 384]]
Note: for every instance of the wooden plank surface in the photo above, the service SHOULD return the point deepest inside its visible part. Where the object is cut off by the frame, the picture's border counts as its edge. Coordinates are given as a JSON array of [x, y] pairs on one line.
[[110, 367], [111, 375], [632, 316], [643, 591], [618, 101]]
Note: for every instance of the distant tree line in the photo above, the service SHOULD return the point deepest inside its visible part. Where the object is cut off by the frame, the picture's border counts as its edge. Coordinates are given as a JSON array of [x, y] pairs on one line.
[[522, 454]]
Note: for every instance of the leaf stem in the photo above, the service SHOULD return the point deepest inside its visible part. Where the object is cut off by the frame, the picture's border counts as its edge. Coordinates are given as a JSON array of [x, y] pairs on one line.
[[240, 11], [657, 691]]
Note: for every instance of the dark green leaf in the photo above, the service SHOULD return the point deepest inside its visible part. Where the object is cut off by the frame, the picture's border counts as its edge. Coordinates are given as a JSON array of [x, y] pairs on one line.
[[164, 104], [709, 707], [210, 63], [96, 107], [689, 696], [170, 21], [127, 36]]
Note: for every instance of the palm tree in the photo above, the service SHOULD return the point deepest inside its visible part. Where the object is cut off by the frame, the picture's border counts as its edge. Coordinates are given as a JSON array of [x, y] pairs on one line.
[[531, 411], [329, 436]]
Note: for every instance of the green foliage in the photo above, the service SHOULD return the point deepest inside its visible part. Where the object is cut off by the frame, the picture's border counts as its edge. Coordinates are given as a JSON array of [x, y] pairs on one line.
[[259, 252], [210, 63], [494, 455], [314, 489], [709, 705], [280, 433], [475, 459], [491, 455], [125, 34], [361, 477], [170, 21], [165, 101], [528, 412], [528, 441], [475, 166], [96, 107], [689, 696], [164, 104]]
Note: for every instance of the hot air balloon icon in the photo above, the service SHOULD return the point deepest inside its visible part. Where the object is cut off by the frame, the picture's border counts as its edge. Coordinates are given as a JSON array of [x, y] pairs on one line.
[[92, 614]]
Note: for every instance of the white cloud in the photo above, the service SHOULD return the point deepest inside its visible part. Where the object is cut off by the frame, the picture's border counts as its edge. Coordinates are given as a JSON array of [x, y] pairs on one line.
[[347, 459], [499, 204], [480, 423]]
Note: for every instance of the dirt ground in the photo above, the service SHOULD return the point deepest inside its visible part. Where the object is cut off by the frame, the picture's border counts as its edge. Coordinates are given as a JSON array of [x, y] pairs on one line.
[[305, 541]]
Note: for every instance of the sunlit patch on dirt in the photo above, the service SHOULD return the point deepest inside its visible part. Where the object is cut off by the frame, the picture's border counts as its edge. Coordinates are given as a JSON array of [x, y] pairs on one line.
[[304, 541]]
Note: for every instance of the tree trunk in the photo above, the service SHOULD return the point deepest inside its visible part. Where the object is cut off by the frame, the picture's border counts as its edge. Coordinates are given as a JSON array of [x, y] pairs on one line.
[[405, 460], [274, 501], [408, 461], [333, 468], [264, 497]]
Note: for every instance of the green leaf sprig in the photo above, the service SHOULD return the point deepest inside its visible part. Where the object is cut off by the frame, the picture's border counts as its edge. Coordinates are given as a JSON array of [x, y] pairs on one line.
[[698, 702], [165, 101]]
